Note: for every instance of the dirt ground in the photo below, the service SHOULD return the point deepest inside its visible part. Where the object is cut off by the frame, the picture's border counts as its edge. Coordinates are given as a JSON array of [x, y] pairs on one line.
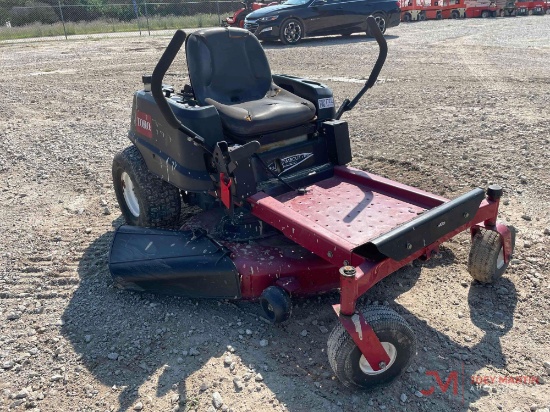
[[459, 104]]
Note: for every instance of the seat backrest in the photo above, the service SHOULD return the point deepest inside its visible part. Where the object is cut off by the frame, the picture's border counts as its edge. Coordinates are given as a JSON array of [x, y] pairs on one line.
[[228, 65]]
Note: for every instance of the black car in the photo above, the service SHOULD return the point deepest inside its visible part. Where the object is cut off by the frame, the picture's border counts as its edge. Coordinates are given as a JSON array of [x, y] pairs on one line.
[[295, 19]]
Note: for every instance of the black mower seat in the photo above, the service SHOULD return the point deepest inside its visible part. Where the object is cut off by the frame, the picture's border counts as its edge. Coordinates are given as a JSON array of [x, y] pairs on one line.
[[229, 70]]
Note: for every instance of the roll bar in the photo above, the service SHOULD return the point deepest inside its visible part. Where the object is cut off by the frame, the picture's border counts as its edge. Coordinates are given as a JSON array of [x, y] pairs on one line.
[[383, 52], [156, 88]]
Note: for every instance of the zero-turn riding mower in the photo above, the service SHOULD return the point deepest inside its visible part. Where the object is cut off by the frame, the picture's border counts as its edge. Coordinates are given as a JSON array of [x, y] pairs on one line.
[[265, 158]]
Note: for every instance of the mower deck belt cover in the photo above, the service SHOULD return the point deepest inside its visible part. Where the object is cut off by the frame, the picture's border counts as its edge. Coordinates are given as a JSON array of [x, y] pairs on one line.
[[173, 263]]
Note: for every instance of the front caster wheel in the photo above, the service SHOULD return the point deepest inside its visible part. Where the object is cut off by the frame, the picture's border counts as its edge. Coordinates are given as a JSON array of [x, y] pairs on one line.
[[276, 304], [486, 261], [349, 364], [144, 199]]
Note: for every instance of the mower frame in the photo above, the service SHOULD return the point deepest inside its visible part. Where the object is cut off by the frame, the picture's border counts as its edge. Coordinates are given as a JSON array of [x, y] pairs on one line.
[[363, 233], [357, 273]]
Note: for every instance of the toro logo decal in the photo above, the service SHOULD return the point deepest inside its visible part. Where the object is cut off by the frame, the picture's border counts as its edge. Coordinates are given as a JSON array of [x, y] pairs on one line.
[[143, 124]]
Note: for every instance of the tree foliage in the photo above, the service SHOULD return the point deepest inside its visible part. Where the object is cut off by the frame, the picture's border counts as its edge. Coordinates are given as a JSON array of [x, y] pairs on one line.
[[22, 12]]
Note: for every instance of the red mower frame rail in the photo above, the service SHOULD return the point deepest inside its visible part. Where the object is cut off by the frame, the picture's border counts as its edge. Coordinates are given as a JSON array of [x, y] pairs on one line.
[[358, 274]]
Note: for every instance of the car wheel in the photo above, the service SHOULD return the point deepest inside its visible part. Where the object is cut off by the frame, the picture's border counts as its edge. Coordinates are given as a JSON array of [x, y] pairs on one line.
[[484, 14], [421, 17], [292, 31], [380, 21], [455, 14], [144, 199], [407, 17]]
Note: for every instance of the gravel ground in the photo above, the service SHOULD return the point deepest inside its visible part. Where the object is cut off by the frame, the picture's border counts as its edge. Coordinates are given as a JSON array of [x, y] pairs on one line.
[[459, 104]]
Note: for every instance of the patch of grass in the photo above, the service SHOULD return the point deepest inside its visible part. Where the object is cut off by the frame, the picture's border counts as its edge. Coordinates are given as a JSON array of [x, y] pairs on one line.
[[108, 26]]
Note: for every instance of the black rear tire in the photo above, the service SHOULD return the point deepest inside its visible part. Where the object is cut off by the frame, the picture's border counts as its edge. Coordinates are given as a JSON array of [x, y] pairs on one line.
[[276, 304], [407, 17], [349, 364], [486, 260], [144, 199]]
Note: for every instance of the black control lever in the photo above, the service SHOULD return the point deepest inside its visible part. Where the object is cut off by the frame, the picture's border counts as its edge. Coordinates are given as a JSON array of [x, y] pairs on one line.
[[383, 52]]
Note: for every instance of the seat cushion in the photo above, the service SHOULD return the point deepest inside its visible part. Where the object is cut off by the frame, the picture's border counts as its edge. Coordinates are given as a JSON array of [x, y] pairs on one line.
[[278, 110]]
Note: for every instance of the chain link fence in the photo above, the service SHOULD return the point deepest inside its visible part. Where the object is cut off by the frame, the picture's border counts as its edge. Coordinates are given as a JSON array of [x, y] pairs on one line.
[[66, 18]]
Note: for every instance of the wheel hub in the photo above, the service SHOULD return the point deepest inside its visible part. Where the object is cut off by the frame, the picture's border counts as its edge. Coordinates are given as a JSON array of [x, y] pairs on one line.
[[500, 258], [293, 32], [129, 195], [392, 354], [381, 23]]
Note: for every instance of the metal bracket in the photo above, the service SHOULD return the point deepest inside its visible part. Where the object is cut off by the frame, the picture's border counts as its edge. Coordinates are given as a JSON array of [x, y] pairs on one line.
[[365, 339], [225, 189], [505, 236], [290, 284]]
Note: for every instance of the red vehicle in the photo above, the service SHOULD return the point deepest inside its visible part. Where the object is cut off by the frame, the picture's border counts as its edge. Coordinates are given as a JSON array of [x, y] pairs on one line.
[[540, 8], [237, 20], [483, 11], [411, 10], [433, 11], [525, 8], [417, 10], [454, 9]]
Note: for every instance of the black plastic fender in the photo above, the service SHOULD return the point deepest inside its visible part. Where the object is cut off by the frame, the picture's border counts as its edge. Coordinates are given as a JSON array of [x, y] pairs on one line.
[[427, 228], [182, 263]]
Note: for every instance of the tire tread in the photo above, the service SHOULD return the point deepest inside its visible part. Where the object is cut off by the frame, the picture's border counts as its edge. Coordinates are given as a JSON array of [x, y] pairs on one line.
[[161, 200], [340, 343], [485, 249]]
